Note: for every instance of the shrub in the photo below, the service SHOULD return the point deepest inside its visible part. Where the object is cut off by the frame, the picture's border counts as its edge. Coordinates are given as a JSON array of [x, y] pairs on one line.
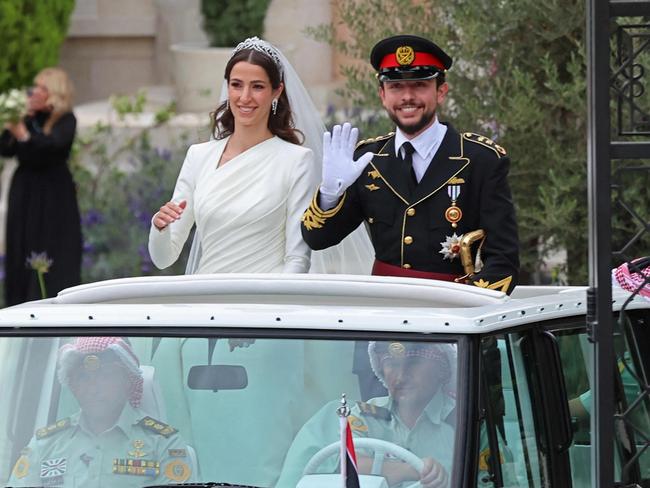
[[31, 33], [122, 179], [227, 22]]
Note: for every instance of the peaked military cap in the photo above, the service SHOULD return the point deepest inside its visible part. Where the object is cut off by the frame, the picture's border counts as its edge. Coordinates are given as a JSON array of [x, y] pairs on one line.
[[407, 57]]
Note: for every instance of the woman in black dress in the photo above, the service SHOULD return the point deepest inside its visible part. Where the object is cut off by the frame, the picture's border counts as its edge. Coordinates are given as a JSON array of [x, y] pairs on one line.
[[42, 213]]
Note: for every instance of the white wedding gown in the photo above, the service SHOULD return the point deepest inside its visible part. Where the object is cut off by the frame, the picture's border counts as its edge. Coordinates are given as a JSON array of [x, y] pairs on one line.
[[247, 211]]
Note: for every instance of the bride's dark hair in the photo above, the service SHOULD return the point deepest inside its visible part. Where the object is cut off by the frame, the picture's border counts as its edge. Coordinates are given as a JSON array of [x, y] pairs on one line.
[[281, 124]]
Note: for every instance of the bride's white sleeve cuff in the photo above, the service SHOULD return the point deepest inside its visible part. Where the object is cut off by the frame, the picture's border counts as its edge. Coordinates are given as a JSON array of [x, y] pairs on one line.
[[160, 245], [296, 264]]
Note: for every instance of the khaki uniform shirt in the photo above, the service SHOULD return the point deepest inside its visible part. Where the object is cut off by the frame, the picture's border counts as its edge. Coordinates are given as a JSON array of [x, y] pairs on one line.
[[136, 452], [430, 437]]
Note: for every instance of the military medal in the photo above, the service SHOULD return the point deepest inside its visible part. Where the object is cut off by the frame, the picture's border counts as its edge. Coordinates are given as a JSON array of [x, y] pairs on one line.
[[137, 452], [453, 214], [136, 467], [451, 247]]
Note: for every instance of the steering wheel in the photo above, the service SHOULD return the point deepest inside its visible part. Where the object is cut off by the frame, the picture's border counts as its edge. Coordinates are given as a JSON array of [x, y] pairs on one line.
[[379, 447]]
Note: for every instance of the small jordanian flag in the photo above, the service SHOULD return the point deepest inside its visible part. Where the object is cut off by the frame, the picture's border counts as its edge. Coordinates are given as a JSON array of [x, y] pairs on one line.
[[349, 472]]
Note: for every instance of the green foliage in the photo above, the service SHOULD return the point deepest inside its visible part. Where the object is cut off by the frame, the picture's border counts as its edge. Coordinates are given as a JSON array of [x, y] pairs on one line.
[[519, 78], [228, 22], [121, 183], [31, 33]]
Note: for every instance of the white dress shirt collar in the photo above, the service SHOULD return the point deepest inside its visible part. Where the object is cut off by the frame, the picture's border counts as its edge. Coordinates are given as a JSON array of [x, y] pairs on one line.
[[425, 144]]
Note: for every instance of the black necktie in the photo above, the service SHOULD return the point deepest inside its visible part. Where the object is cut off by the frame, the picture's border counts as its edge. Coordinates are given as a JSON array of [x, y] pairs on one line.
[[409, 174]]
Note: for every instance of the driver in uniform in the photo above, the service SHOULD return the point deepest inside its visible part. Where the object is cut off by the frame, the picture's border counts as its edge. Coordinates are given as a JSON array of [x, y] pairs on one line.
[[110, 442], [417, 377]]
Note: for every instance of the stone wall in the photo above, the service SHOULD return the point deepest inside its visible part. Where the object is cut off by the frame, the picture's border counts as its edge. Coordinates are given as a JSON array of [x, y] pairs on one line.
[[120, 46]]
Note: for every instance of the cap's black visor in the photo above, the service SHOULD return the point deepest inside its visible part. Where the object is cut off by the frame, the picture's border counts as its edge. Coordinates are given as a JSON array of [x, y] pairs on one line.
[[409, 74]]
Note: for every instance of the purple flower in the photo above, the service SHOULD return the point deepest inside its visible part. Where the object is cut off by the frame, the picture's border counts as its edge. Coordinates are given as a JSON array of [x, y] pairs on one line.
[[163, 153], [88, 247], [87, 261], [145, 259], [92, 217]]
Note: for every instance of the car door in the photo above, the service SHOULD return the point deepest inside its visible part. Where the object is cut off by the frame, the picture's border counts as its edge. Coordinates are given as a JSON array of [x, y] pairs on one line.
[[536, 404]]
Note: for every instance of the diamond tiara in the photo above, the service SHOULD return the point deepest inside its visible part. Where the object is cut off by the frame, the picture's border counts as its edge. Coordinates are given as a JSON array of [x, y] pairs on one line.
[[261, 46]]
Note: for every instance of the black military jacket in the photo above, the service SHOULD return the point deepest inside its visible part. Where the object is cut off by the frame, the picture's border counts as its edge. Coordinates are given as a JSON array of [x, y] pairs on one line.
[[410, 230]]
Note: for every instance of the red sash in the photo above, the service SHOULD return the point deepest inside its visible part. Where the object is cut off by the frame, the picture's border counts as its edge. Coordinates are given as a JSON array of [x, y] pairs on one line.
[[384, 269]]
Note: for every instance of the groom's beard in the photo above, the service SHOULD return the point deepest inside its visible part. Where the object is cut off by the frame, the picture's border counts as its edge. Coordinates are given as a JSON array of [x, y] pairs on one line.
[[411, 129]]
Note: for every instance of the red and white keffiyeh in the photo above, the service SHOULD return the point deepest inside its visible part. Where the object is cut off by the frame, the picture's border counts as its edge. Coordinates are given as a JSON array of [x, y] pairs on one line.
[[634, 277], [72, 355]]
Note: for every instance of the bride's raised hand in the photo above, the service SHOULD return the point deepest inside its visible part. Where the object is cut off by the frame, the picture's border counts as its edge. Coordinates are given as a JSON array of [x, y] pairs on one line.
[[168, 213]]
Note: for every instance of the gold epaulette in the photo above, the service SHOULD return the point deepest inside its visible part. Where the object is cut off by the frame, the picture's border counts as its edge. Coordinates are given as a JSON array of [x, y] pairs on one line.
[[57, 426], [314, 217], [484, 141], [156, 426], [371, 410], [374, 139]]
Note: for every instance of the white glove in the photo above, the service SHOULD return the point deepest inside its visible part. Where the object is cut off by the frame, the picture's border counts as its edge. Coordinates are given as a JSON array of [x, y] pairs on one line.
[[339, 169]]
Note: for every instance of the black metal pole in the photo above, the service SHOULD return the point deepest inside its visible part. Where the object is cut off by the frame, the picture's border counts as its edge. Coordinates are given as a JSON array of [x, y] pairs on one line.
[[599, 301]]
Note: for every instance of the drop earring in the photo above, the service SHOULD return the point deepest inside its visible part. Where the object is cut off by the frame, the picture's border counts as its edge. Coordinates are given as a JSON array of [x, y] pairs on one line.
[[274, 106], [227, 104]]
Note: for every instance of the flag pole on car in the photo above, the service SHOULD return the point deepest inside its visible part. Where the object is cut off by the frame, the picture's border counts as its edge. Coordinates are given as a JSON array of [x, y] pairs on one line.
[[349, 473]]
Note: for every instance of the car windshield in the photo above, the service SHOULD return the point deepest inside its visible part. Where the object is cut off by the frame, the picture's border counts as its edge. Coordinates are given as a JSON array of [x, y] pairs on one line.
[[142, 411]]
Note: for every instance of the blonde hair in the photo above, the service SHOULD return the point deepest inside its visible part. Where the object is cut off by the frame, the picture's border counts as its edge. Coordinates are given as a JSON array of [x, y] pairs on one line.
[[60, 93]]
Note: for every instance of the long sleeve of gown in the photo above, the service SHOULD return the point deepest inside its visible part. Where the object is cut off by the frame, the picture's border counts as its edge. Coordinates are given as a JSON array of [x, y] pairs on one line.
[[165, 245], [297, 255]]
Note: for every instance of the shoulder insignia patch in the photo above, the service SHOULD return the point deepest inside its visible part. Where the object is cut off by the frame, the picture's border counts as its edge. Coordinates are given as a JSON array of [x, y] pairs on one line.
[[58, 426], [374, 139], [484, 141], [156, 426], [21, 468], [356, 424], [484, 459], [178, 470], [371, 410]]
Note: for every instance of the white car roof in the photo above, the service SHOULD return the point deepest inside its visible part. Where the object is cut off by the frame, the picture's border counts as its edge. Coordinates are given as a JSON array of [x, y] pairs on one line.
[[301, 301]]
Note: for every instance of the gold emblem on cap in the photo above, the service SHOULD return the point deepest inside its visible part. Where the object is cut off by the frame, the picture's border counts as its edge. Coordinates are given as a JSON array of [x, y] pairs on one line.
[[396, 349], [404, 55], [91, 362]]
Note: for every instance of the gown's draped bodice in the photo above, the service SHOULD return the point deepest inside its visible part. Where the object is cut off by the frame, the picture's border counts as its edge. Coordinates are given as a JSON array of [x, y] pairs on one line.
[[247, 211]]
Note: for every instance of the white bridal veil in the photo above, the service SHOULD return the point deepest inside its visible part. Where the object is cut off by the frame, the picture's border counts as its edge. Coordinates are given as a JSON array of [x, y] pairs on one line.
[[355, 254]]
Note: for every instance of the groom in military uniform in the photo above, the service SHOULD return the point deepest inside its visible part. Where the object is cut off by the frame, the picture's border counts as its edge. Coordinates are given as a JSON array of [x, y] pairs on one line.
[[436, 201]]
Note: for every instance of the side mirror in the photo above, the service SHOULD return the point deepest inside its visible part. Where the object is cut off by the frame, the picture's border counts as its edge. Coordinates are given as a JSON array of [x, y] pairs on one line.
[[217, 377]]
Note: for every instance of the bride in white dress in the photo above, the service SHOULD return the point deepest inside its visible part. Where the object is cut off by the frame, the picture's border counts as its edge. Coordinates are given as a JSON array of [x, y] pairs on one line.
[[245, 191], [247, 213]]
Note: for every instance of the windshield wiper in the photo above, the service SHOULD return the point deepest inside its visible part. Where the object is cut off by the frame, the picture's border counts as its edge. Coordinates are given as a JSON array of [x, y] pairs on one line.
[[201, 485]]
